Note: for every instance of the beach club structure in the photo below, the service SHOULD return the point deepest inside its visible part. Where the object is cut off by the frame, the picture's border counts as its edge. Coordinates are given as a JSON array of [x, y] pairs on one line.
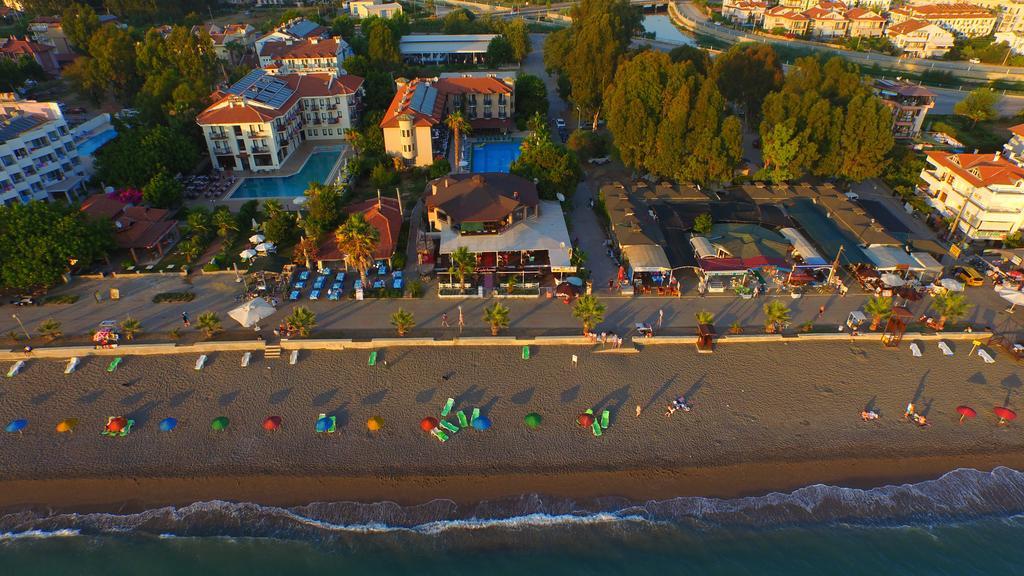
[[909, 104], [432, 49], [384, 214], [501, 219]]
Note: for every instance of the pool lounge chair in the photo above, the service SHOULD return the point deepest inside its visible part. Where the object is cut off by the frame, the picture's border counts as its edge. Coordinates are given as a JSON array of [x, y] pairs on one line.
[[526, 352], [314, 294], [475, 415], [114, 364], [201, 362], [463, 421], [16, 368], [986, 356], [340, 277], [372, 361], [304, 275], [319, 282], [915, 350], [333, 294], [72, 365], [294, 357], [245, 359], [325, 271], [294, 295], [398, 284], [299, 285], [449, 426], [946, 350], [448, 405]]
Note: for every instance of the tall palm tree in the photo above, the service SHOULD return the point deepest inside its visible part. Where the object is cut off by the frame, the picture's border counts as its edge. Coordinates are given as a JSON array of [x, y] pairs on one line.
[[209, 323], [303, 320], [191, 249], [130, 326], [704, 317], [50, 328], [357, 239], [589, 311], [225, 223], [463, 264], [403, 321], [879, 308], [497, 316], [951, 306], [198, 222], [457, 123], [776, 314], [272, 207]]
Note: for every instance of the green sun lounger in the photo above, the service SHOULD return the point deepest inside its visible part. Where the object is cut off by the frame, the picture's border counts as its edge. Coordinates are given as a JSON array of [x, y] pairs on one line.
[[439, 434], [449, 426], [597, 428], [114, 364], [463, 422], [526, 352], [604, 419], [447, 407], [373, 358], [476, 414]]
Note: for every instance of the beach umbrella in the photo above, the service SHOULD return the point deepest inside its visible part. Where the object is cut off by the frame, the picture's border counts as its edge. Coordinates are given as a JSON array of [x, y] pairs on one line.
[[323, 425], [256, 238], [168, 424], [375, 423], [965, 412], [1014, 297], [17, 425], [560, 196], [117, 424], [299, 200], [1004, 414], [532, 420], [265, 247], [219, 423], [250, 313], [67, 425], [428, 423], [952, 284], [272, 423], [101, 335], [893, 280], [575, 281], [585, 420], [247, 253], [481, 423]]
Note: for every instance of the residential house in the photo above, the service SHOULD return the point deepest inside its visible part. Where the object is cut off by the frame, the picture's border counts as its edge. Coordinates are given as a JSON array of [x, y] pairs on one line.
[[444, 48], [880, 6], [1014, 149], [14, 48], [786, 20], [1009, 13], [744, 12], [962, 20], [798, 5], [983, 192], [259, 122], [311, 55], [909, 103], [827, 21], [38, 156], [414, 123], [384, 214], [147, 233], [1015, 40], [294, 30], [865, 23], [223, 37], [378, 8], [920, 39]]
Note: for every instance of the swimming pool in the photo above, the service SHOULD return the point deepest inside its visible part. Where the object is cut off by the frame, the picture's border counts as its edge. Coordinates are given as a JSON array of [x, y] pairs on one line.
[[316, 169], [96, 142], [494, 156]]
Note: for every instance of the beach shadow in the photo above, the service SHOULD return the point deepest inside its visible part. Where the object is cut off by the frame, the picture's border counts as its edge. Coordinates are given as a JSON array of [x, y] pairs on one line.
[[324, 397], [280, 396], [472, 395], [448, 375], [426, 395], [570, 394], [613, 402], [181, 397], [130, 383], [133, 399], [927, 407], [523, 396], [664, 388], [341, 413], [978, 378], [91, 397], [920, 386], [398, 357], [694, 388], [143, 413], [870, 406], [1012, 383], [39, 399], [229, 398], [375, 398], [489, 405]]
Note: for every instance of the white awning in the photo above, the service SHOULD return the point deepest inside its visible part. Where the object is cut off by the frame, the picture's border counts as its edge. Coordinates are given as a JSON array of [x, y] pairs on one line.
[[891, 258], [646, 258], [703, 248], [927, 262], [802, 247], [545, 232]]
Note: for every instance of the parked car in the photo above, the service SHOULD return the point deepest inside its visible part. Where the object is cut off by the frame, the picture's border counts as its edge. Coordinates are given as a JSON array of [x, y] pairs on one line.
[[969, 276], [560, 124], [974, 61], [25, 301], [600, 161], [853, 196]]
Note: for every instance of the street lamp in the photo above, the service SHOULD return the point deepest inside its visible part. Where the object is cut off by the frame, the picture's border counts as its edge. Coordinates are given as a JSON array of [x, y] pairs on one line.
[[578, 114], [15, 316]]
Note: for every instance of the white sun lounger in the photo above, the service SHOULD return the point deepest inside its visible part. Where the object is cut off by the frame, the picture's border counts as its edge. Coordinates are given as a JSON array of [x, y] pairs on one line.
[[245, 359], [16, 368], [915, 350], [986, 356], [72, 365], [201, 362], [945, 348], [294, 357]]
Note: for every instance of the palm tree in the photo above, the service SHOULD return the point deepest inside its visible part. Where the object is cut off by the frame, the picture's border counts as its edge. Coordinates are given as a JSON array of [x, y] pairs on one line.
[[951, 306], [50, 328], [589, 311], [879, 308], [510, 284], [497, 317], [459, 126], [209, 323], [357, 239], [463, 264], [272, 207], [198, 222], [403, 321], [303, 320], [191, 249], [225, 223], [578, 258], [704, 318], [130, 326], [776, 314]]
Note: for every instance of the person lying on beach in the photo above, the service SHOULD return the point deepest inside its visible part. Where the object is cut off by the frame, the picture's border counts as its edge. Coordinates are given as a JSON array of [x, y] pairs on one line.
[[677, 404], [867, 415]]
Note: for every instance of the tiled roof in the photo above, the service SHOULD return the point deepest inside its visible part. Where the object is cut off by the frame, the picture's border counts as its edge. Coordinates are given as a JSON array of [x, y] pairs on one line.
[[231, 109], [384, 214], [980, 169], [472, 85], [135, 226], [863, 14], [308, 48], [787, 13], [1018, 130], [14, 46], [908, 27], [939, 11], [481, 197], [423, 99]]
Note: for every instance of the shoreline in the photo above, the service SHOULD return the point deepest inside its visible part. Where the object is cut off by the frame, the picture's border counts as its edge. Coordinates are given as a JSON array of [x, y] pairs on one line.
[[137, 494]]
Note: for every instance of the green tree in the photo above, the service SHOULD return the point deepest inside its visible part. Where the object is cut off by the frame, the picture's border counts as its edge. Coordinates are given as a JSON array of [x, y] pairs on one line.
[[531, 97], [499, 51], [79, 22], [950, 306], [867, 138], [344, 26], [702, 224], [440, 167], [979, 105], [191, 248], [517, 34], [589, 311], [403, 321], [138, 153], [306, 252], [555, 169], [323, 208], [746, 73], [698, 57], [162, 191], [302, 320], [50, 329], [209, 323], [279, 227], [112, 56], [463, 265], [776, 316], [781, 150], [459, 125], [199, 223], [879, 308], [381, 176], [224, 221], [130, 326], [357, 240], [497, 317], [383, 44], [459, 21], [704, 318]]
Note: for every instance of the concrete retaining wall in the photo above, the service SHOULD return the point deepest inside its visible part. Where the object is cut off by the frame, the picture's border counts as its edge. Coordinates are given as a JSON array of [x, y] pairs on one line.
[[816, 337]]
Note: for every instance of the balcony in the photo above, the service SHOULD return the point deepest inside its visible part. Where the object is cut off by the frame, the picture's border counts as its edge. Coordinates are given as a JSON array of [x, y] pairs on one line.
[[218, 136], [252, 134]]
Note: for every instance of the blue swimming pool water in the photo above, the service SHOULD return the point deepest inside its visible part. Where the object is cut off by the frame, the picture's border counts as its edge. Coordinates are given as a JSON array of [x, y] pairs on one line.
[[494, 156], [317, 169], [96, 142]]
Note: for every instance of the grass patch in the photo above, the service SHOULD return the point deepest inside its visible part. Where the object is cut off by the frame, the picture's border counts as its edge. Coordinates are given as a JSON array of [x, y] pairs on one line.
[[985, 136], [62, 299], [174, 297]]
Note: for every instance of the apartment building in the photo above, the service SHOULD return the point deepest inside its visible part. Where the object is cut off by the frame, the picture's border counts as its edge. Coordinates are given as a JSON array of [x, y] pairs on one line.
[[378, 8], [909, 103], [798, 5], [985, 192], [243, 35], [259, 122], [744, 12], [920, 39], [14, 48], [827, 21], [1009, 13], [414, 123], [308, 56], [879, 6], [786, 20], [1014, 149], [864, 23], [295, 29], [1015, 40], [38, 156], [962, 20]]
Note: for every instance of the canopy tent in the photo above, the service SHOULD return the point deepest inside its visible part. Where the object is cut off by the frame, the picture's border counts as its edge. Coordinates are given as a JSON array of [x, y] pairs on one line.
[[803, 248], [826, 234], [250, 313], [892, 258], [703, 248], [646, 258], [930, 267]]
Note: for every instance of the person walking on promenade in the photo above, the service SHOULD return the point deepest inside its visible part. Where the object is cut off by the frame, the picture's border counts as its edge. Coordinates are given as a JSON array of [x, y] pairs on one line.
[[184, 319], [444, 320], [661, 317], [821, 312]]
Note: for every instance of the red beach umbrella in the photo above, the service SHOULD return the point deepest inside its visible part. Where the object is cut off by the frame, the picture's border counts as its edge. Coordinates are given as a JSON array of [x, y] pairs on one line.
[[965, 412], [1005, 414], [428, 423], [585, 420], [117, 424], [272, 423]]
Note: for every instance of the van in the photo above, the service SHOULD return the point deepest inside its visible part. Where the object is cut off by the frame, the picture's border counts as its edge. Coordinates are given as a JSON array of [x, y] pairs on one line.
[[970, 276]]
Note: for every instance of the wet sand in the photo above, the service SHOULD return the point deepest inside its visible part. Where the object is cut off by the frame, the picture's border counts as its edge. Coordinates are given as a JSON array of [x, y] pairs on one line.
[[765, 418]]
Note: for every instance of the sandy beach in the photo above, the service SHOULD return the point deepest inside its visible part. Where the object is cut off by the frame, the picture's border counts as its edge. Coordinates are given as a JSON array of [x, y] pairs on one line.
[[765, 418]]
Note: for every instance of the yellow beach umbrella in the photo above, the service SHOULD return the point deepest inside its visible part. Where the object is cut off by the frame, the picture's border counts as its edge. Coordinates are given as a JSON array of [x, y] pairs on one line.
[[67, 425], [375, 423]]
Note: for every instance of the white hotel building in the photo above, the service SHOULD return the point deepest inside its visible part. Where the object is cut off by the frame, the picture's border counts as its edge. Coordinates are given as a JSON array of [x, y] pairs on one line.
[[38, 156], [986, 191]]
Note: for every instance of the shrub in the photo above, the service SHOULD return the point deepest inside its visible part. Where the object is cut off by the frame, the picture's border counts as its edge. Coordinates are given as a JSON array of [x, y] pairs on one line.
[[62, 299], [398, 261], [211, 267], [415, 289], [174, 297], [588, 145]]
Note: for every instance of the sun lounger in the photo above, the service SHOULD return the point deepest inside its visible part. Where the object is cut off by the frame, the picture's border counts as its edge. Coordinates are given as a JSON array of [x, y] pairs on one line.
[[300, 284], [447, 407], [463, 421], [439, 434], [16, 368], [334, 294], [604, 419], [596, 427], [318, 284], [245, 359], [304, 275], [986, 356], [373, 358], [201, 362], [398, 284], [294, 295], [945, 348], [449, 426], [915, 350], [340, 277], [114, 364], [314, 295], [475, 415], [325, 271], [526, 352], [294, 357]]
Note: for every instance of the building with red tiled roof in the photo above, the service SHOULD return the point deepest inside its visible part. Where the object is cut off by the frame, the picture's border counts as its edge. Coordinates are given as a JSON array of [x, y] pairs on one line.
[[384, 214], [258, 122], [310, 55], [147, 233], [243, 35], [920, 38], [414, 122], [789, 20], [985, 192], [864, 23], [962, 20], [14, 48], [909, 103], [744, 12]]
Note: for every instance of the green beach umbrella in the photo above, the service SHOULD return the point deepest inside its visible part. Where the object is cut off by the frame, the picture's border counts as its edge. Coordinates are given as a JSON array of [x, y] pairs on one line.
[[219, 423], [532, 420]]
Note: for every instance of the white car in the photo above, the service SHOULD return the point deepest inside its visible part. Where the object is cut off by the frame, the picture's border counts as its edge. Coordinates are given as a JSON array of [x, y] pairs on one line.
[[600, 161], [853, 196], [560, 124]]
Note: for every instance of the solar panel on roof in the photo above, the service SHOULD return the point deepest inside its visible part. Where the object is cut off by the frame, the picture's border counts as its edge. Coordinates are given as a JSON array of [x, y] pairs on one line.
[[259, 86], [423, 99], [302, 28], [246, 82]]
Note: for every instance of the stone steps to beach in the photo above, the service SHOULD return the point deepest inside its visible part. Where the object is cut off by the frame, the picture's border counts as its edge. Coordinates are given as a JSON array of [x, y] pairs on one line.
[[272, 352]]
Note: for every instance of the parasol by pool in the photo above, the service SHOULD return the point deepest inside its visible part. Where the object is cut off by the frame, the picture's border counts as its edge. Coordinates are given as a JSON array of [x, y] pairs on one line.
[[428, 423], [17, 425], [575, 281], [965, 412], [272, 423], [952, 284], [219, 424], [257, 238], [1005, 414], [168, 424], [532, 420], [247, 254]]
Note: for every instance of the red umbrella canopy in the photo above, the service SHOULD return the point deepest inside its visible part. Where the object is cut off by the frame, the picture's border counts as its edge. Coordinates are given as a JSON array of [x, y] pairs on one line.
[[1004, 413], [272, 423], [117, 424], [428, 423], [585, 420], [966, 411]]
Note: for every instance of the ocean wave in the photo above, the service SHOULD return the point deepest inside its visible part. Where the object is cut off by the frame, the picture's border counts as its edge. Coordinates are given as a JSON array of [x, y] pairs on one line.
[[960, 495]]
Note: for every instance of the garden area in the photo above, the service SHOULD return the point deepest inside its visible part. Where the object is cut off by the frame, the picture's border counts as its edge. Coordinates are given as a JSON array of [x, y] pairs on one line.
[[985, 135]]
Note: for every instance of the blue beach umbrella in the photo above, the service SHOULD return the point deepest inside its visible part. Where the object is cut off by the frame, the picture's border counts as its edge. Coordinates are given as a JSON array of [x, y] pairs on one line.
[[168, 424], [481, 423], [17, 425]]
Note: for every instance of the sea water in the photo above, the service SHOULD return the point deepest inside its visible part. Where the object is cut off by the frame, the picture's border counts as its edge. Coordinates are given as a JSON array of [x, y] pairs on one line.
[[966, 522]]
